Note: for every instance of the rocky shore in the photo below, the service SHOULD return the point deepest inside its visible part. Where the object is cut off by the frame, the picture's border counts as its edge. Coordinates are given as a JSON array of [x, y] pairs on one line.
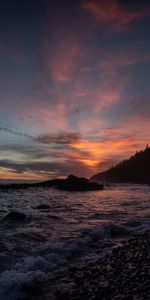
[[71, 183], [122, 274]]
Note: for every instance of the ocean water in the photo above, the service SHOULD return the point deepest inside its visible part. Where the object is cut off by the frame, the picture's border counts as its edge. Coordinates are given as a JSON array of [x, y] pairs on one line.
[[73, 226]]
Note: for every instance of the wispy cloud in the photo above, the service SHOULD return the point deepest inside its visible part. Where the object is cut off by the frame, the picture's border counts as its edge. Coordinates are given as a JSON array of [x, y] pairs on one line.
[[114, 73], [59, 138], [60, 59], [113, 14], [64, 138], [8, 130], [64, 62], [42, 169]]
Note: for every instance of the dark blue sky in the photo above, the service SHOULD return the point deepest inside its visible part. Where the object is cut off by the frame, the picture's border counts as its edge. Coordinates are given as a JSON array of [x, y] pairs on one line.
[[74, 85]]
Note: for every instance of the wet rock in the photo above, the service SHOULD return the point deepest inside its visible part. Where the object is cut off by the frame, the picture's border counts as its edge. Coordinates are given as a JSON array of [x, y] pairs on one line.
[[62, 296], [15, 216], [74, 184], [71, 183], [42, 206], [122, 274]]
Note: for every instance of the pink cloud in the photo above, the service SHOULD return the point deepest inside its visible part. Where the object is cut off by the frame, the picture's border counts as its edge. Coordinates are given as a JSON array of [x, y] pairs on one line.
[[110, 12], [62, 62], [119, 60], [65, 60], [113, 144], [113, 75]]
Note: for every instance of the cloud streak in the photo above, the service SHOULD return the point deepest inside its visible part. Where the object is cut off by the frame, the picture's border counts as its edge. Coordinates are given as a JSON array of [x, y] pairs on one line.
[[5, 129], [59, 138], [114, 15], [64, 138]]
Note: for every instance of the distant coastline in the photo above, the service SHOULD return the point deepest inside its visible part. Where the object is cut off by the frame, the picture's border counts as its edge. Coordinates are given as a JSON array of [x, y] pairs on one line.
[[71, 183], [17, 181]]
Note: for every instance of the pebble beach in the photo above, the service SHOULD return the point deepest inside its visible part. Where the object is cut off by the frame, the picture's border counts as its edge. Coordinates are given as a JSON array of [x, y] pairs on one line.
[[122, 274], [55, 245]]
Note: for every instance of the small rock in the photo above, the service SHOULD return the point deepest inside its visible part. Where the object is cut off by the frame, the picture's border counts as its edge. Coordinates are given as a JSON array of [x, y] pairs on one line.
[[42, 206], [108, 267], [15, 216]]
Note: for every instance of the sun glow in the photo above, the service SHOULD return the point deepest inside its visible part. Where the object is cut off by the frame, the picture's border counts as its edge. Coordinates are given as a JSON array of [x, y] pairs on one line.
[[8, 174]]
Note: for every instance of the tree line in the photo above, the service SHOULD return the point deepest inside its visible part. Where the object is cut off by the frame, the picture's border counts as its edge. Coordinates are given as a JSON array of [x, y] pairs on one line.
[[136, 169]]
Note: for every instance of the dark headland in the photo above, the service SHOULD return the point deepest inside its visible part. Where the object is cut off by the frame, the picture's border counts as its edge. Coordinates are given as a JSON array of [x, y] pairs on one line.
[[71, 183], [136, 169]]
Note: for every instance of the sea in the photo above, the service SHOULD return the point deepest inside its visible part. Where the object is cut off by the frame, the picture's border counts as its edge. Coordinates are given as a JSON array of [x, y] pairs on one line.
[[73, 226]]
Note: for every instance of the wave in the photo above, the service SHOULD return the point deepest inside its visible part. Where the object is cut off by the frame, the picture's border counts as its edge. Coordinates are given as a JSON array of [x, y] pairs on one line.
[[107, 214], [44, 260]]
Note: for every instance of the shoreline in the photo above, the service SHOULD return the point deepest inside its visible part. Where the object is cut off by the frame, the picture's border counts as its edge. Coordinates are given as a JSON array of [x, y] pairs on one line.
[[122, 274], [97, 238]]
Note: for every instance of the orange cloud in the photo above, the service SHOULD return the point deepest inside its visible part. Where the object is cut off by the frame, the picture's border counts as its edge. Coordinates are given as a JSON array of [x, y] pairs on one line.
[[90, 153], [82, 156], [112, 13], [97, 152], [112, 144]]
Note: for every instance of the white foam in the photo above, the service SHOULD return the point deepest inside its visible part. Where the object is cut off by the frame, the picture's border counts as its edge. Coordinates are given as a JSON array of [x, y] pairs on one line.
[[36, 267], [12, 281], [46, 258]]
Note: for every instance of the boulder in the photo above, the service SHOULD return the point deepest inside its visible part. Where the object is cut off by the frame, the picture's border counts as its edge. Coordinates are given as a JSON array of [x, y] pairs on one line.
[[15, 216], [73, 183]]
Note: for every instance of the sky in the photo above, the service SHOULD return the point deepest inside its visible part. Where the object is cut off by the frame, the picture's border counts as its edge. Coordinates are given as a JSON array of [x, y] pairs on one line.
[[74, 86]]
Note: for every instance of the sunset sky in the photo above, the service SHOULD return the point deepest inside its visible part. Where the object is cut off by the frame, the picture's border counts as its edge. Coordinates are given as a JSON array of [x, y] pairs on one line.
[[74, 85]]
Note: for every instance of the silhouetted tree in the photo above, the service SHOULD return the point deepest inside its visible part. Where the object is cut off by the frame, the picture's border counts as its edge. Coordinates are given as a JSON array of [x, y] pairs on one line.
[[136, 169]]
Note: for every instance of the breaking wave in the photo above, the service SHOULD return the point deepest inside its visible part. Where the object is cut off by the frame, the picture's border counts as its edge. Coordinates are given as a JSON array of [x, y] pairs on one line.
[[45, 259]]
